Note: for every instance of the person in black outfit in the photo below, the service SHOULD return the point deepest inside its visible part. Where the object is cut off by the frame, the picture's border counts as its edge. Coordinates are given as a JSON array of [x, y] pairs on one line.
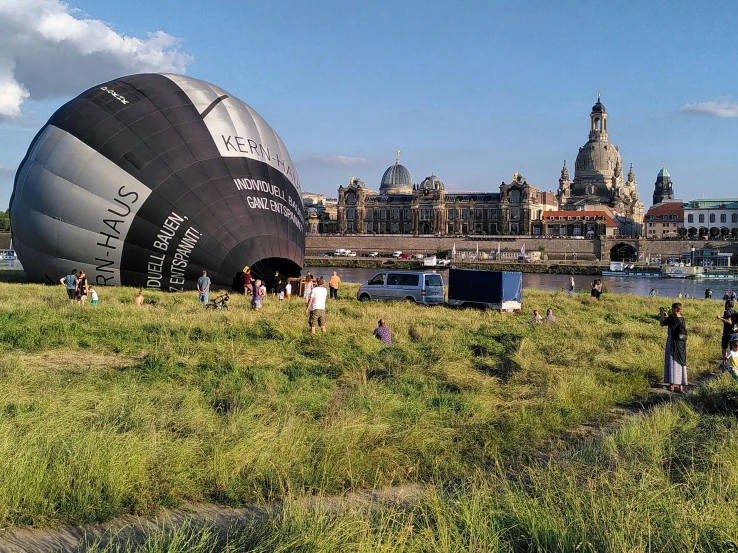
[[708, 294], [730, 326], [675, 355]]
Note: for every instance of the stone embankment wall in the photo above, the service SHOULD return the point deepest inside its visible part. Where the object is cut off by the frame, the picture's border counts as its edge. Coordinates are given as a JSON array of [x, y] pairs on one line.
[[4, 240], [555, 248]]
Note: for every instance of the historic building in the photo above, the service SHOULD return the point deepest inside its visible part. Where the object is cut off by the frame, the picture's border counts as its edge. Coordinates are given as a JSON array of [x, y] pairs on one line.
[[401, 207], [664, 219], [663, 189], [585, 223], [710, 217], [320, 213], [598, 174]]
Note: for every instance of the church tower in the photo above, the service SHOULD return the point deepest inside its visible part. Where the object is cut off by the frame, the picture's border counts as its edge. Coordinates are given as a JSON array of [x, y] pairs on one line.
[[564, 185], [598, 121], [663, 189]]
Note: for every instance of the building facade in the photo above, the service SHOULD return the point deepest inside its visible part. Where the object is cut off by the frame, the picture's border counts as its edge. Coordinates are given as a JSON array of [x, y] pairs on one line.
[[711, 217], [664, 220], [585, 223], [401, 207], [598, 174], [321, 213]]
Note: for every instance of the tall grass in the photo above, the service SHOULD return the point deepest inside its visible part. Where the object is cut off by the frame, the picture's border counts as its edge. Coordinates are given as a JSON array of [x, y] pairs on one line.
[[665, 481], [118, 409]]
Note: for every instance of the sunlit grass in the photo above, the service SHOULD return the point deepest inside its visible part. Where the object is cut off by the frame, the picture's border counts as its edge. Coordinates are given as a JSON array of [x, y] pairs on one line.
[[119, 409]]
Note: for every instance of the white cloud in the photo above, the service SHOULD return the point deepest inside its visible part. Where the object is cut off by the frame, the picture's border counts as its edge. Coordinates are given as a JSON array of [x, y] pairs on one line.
[[720, 107], [47, 52], [338, 161], [5, 170]]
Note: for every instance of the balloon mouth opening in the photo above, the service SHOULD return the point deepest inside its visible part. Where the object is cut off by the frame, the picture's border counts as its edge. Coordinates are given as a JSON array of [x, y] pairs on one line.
[[264, 269]]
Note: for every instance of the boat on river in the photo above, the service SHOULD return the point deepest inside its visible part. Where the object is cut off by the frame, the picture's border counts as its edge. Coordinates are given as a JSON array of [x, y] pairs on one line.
[[621, 269]]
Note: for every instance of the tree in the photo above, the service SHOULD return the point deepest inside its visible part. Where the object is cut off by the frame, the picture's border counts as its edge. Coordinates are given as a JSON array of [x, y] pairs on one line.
[[692, 231], [5, 220], [724, 232], [682, 231], [734, 232], [714, 232], [703, 231]]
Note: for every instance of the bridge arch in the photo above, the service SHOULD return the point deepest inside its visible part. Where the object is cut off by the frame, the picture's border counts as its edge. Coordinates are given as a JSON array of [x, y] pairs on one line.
[[622, 251]]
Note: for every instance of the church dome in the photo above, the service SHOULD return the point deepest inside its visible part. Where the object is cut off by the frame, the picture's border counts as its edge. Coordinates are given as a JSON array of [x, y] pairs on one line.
[[432, 183], [599, 107], [598, 161], [663, 173], [396, 180]]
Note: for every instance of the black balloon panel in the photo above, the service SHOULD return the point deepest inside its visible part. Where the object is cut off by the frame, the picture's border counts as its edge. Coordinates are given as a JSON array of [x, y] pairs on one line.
[[150, 179]]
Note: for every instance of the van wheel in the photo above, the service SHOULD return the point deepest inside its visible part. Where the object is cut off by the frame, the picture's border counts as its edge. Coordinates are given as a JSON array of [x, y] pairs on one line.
[[364, 297], [410, 299]]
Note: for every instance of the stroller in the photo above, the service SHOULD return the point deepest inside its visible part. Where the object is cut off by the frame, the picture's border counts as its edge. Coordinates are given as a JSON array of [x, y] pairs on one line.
[[219, 303]]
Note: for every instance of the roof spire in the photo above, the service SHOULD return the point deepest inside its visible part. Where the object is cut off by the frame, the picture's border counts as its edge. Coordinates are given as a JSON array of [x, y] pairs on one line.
[[598, 95], [397, 156]]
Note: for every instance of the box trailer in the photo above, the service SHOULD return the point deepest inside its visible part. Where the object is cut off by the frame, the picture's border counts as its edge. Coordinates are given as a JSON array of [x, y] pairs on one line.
[[501, 290]]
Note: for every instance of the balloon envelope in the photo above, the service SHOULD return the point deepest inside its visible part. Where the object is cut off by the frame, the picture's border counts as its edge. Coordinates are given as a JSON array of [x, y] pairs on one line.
[[148, 180]]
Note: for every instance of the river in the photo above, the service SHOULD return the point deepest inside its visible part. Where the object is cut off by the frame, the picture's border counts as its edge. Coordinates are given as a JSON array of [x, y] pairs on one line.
[[670, 287]]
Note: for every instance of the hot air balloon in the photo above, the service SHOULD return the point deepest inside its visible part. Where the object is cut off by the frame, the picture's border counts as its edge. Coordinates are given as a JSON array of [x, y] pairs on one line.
[[148, 180]]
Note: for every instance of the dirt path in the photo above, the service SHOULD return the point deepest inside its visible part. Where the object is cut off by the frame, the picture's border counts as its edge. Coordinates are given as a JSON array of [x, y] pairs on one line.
[[132, 529]]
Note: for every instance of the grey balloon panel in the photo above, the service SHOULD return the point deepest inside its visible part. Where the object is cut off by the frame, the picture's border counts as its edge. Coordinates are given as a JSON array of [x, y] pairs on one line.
[[152, 130]]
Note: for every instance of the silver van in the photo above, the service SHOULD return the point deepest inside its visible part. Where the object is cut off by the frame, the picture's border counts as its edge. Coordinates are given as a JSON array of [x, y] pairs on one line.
[[425, 288]]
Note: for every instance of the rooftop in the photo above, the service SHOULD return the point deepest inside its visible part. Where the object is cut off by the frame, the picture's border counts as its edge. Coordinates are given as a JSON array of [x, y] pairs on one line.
[[713, 203]]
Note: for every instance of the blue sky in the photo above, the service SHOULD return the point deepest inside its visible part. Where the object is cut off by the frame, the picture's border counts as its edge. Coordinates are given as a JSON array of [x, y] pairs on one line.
[[471, 91]]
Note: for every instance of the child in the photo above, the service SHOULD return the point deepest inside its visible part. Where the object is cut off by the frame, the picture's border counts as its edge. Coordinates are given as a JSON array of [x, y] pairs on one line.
[[288, 290], [262, 291], [536, 319], [139, 299], [93, 295], [732, 359], [256, 296]]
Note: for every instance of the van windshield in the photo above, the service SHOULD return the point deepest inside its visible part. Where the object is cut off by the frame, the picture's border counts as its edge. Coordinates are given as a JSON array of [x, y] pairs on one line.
[[433, 280]]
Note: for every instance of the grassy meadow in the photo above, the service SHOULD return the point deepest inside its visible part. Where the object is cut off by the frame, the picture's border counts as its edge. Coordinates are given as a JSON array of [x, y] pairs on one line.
[[119, 409]]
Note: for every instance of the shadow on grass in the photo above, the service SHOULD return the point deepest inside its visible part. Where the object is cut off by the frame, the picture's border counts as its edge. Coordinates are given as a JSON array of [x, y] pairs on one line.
[[494, 353]]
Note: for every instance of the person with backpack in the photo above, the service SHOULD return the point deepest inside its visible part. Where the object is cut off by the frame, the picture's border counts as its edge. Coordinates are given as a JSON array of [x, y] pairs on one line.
[[730, 326]]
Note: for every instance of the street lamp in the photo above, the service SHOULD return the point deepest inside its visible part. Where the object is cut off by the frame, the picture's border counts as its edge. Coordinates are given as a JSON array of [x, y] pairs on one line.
[[692, 262]]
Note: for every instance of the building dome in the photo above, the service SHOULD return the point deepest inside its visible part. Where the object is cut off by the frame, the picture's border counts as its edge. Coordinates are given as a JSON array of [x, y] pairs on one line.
[[598, 162], [396, 180], [599, 107], [432, 183], [663, 173]]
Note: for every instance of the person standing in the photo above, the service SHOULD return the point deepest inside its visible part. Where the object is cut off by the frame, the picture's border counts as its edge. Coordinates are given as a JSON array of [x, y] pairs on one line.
[[70, 282], [308, 285], [571, 286], [82, 288], [708, 294], [278, 284], [316, 306], [93, 296], [256, 296], [383, 333], [675, 352], [731, 360], [203, 287], [247, 281], [730, 326], [598, 288], [333, 284], [593, 293], [288, 290]]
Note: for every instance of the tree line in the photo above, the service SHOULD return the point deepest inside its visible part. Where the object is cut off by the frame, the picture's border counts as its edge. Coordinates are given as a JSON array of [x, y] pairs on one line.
[[5, 220]]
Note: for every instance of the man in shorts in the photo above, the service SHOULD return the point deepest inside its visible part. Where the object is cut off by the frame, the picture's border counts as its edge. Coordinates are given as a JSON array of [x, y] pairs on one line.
[[316, 306], [70, 282], [203, 287]]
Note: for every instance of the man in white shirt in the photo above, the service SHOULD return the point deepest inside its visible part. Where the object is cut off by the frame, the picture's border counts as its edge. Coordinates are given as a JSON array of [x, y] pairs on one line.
[[316, 306]]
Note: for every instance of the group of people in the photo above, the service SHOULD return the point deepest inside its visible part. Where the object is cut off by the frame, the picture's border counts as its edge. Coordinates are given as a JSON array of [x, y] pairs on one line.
[[78, 288], [675, 352], [537, 318]]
